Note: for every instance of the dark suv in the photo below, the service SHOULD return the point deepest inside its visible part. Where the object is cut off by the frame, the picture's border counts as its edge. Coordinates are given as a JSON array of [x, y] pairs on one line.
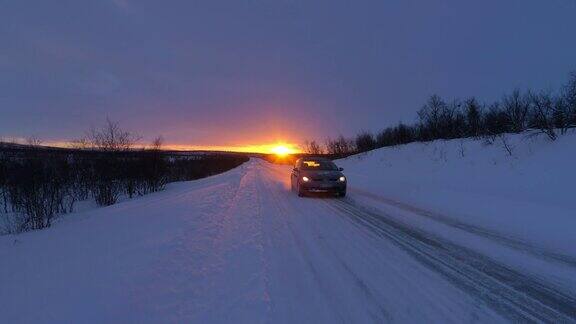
[[317, 175]]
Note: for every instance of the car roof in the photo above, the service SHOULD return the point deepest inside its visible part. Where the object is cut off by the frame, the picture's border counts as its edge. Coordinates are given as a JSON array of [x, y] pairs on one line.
[[314, 158]]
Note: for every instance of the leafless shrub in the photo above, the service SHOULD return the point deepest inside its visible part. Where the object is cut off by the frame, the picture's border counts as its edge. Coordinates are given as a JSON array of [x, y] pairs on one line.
[[157, 143], [365, 141], [474, 114], [36, 190], [516, 107], [506, 143], [37, 185], [400, 134], [110, 138], [340, 146], [313, 148], [542, 113], [569, 102], [34, 141]]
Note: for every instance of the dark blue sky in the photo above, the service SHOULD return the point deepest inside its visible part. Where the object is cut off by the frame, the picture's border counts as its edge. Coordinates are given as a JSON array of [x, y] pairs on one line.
[[252, 71]]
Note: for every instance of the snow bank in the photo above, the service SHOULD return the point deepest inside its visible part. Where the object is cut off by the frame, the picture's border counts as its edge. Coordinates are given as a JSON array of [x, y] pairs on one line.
[[519, 186], [125, 263]]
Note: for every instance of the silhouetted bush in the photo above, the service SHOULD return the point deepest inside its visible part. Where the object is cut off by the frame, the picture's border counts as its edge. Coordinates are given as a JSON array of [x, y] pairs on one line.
[[515, 106], [400, 134], [37, 184], [340, 147], [474, 113], [313, 148], [365, 141]]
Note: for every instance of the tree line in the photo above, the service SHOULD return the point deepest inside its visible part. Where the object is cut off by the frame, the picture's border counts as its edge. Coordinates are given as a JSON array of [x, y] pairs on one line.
[[551, 114], [37, 184]]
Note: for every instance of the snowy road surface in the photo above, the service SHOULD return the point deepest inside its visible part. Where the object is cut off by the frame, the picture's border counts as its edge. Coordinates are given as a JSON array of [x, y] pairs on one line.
[[241, 248]]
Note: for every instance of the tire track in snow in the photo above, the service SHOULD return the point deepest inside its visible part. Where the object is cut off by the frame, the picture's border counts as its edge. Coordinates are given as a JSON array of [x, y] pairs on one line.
[[514, 295], [350, 278], [323, 287], [513, 243], [382, 315]]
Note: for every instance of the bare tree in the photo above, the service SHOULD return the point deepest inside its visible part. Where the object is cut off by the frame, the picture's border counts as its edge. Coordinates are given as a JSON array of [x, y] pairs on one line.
[[430, 116], [473, 117], [542, 113], [313, 147], [111, 137], [495, 122], [401, 134], [34, 141], [516, 107], [365, 141], [569, 98], [340, 146], [157, 143]]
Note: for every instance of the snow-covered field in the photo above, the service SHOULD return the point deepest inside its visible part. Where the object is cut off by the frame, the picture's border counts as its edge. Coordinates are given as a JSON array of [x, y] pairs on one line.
[[528, 195], [439, 232]]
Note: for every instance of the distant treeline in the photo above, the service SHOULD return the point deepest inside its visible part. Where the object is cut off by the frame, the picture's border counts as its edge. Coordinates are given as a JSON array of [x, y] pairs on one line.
[[543, 112], [37, 184]]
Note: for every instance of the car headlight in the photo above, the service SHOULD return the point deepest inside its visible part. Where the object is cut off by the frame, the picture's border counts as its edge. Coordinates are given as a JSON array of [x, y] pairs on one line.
[[305, 179], [342, 179]]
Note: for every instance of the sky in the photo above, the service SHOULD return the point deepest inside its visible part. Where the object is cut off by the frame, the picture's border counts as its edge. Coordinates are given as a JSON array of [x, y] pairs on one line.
[[238, 73]]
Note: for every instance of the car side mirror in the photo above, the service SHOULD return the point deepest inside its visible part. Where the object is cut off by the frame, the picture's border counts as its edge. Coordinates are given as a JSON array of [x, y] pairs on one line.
[[341, 169]]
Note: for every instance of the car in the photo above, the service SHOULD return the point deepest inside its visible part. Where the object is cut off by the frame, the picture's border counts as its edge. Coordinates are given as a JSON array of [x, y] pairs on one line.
[[317, 175]]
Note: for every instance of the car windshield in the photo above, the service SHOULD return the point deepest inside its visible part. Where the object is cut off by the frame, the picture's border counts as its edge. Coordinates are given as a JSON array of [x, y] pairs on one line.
[[319, 165]]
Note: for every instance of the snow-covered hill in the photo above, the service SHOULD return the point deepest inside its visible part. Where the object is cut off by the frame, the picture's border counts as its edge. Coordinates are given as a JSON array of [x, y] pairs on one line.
[[520, 186]]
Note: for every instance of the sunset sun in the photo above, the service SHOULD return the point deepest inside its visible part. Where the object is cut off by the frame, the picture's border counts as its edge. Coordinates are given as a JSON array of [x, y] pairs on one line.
[[281, 150]]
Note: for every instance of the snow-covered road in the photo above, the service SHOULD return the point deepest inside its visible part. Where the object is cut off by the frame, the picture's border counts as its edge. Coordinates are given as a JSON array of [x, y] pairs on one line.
[[241, 248]]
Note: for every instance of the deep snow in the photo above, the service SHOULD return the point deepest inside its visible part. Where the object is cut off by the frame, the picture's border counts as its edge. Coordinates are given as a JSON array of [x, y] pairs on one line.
[[528, 195], [413, 242]]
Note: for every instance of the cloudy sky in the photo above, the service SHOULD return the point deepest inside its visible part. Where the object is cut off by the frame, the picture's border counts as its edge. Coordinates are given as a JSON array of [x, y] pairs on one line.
[[240, 72]]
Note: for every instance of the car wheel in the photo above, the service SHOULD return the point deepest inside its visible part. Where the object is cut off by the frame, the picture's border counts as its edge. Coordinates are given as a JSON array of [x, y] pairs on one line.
[[342, 194], [300, 192]]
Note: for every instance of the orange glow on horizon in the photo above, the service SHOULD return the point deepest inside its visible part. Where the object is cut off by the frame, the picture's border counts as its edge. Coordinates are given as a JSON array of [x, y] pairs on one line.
[[278, 148]]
